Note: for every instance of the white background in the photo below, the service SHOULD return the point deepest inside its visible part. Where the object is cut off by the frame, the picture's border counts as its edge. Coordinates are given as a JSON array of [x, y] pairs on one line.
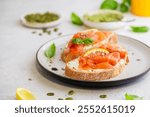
[[7, 108], [18, 47]]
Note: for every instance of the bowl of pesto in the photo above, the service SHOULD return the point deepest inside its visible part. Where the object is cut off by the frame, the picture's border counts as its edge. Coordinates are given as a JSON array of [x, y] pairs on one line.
[[41, 19], [104, 19]]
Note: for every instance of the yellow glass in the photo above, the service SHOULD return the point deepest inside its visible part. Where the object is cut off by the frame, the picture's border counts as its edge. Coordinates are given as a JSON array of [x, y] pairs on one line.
[[140, 7]]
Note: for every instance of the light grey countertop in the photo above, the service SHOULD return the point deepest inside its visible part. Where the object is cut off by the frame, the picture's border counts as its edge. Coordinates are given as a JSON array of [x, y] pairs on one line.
[[18, 47]]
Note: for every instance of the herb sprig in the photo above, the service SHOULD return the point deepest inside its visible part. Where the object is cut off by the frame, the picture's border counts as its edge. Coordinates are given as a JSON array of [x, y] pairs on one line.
[[113, 5], [109, 4], [50, 52], [75, 19], [85, 41], [132, 97], [139, 28]]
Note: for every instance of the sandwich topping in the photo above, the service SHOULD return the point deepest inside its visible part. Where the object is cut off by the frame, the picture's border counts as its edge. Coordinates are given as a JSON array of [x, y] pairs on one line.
[[85, 41], [82, 40], [94, 55], [96, 51], [105, 57]]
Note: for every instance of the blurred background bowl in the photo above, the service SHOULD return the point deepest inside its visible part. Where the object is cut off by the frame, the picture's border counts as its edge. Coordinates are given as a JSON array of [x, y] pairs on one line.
[[40, 25], [111, 25]]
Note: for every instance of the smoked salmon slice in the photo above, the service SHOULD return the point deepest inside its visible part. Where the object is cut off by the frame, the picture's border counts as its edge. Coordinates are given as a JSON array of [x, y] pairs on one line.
[[99, 58], [74, 50], [113, 58], [104, 65]]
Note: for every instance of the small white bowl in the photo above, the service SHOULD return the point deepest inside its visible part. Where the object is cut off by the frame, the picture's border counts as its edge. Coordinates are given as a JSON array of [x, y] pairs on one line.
[[103, 25], [40, 25]]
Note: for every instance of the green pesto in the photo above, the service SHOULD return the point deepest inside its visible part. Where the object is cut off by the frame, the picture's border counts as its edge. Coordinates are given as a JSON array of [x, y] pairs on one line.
[[104, 17], [41, 18]]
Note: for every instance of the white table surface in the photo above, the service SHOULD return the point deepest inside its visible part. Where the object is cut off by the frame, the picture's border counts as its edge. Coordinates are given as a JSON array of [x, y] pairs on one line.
[[18, 47]]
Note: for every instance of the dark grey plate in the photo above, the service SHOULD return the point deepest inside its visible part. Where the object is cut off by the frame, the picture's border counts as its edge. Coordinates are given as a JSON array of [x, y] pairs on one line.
[[139, 56]]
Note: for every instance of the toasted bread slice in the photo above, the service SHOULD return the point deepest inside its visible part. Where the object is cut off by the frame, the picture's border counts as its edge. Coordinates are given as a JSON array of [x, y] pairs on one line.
[[111, 38], [73, 71], [98, 63]]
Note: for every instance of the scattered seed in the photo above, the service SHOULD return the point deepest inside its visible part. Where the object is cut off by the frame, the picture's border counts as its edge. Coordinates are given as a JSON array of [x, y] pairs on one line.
[[55, 29], [48, 32], [69, 98], [138, 59], [33, 32], [71, 92], [59, 34], [74, 68], [103, 96], [30, 79], [40, 34], [132, 53], [50, 61], [54, 68], [50, 94], [63, 69], [44, 30]]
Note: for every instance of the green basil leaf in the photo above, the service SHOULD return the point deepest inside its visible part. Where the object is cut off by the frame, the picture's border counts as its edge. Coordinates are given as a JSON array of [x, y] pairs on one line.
[[109, 4], [76, 19], [88, 41], [123, 8], [50, 52], [139, 28], [127, 2], [82, 41], [77, 41], [132, 97]]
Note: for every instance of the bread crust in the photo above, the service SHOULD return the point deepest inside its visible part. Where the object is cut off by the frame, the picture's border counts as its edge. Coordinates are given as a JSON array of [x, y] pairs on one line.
[[63, 57], [92, 75], [95, 76]]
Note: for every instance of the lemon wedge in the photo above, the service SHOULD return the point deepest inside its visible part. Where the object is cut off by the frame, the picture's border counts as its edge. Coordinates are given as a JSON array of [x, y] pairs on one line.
[[24, 94], [95, 50]]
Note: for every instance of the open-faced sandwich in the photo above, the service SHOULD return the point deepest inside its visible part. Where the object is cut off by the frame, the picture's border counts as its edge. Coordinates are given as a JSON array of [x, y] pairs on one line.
[[101, 63], [85, 40], [94, 55]]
